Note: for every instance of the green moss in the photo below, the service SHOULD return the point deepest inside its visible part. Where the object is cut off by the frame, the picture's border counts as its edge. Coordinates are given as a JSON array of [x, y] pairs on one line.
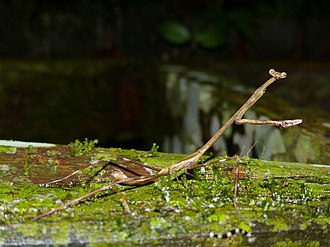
[[31, 150], [51, 165], [52, 152], [6, 170], [7, 149], [288, 244], [26, 169], [217, 216], [313, 244], [79, 148], [153, 151], [273, 197]]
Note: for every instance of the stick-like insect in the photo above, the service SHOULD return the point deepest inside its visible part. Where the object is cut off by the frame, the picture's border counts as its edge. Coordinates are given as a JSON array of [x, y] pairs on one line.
[[188, 162]]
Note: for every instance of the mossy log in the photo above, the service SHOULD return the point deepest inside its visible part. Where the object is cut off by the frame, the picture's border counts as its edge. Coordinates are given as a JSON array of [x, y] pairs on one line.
[[278, 202]]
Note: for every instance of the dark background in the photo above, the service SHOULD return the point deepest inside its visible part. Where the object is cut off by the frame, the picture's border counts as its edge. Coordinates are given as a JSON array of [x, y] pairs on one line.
[[275, 29], [76, 69]]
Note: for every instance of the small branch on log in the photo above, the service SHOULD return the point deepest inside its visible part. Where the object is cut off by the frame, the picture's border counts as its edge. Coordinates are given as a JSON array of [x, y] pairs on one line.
[[191, 160]]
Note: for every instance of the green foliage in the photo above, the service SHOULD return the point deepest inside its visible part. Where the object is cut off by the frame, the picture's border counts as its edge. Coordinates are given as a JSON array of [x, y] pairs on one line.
[[211, 28], [78, 148], [174, 32], [210, 38]]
